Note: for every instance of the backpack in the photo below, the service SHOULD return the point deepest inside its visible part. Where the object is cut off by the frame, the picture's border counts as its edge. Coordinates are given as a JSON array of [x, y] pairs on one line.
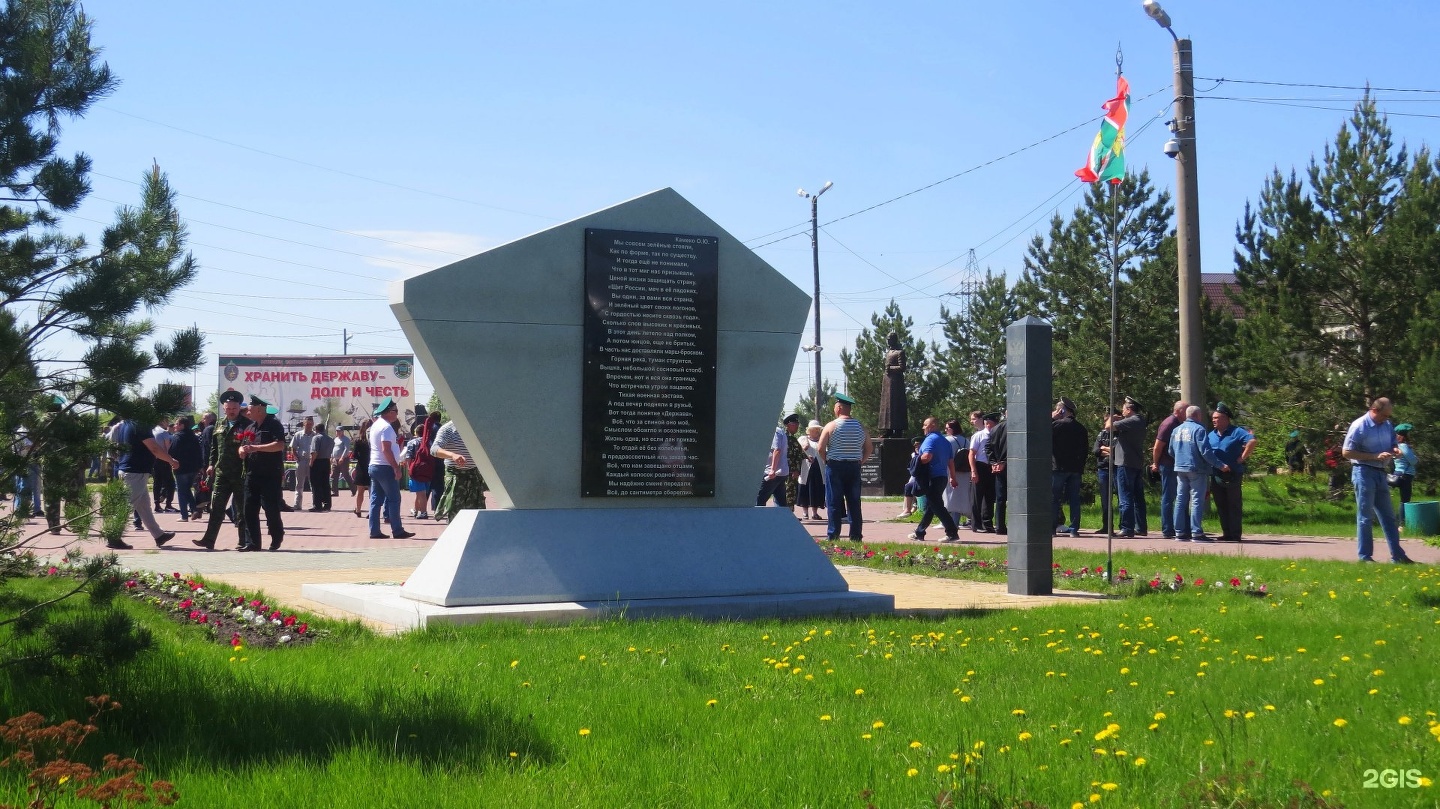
[[421, 465]]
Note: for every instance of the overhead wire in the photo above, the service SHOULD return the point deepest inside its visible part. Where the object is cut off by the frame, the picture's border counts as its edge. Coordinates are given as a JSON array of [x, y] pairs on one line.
[[971, 170], [356, 234], [320, 167]]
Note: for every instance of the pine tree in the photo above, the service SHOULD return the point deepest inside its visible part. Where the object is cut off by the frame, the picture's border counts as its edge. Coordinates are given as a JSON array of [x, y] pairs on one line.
[[1066, 281], [806, 406], [973, 358], [1335, 270], [925, 383], [55, 286]]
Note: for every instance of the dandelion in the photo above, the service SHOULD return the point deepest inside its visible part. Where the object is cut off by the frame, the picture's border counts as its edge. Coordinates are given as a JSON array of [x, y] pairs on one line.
[[1140, 761], [825, 717], [1094, 797], [914, 745], [514, 754], [711, 703], [1017, 712], [1319, 681], [912, 772], [584, 731], [877, 724], [1159, 715], [1404, 720], [859, 692], [1025, 736], [1339, 723], [943, 768], [965, 698], [1109, 787], [1378, 672]]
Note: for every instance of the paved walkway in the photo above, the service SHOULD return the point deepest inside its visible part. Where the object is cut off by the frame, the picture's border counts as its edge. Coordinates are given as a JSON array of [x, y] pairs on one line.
[[335, 547]]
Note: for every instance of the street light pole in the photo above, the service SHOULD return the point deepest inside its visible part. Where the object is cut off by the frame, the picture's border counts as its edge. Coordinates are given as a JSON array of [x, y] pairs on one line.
[[815, 252], [1187, 213]]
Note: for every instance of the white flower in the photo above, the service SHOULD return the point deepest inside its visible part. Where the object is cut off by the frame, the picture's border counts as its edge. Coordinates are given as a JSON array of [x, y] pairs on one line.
[[260, 620], [201, 591], [248, 614], [274, 621], [1219, 584], [174, 589], [284, 639]]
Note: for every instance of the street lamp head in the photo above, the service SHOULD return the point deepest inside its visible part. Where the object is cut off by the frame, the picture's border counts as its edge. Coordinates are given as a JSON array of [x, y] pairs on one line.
[[801, 192], [826, 188], [1157, 13]]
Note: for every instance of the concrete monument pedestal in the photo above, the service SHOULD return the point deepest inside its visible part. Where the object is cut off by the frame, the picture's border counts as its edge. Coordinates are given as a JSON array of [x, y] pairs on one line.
[[616, 379]]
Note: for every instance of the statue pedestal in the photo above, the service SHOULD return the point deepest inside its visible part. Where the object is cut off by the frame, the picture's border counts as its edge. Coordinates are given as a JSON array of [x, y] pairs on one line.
[[895, 464]]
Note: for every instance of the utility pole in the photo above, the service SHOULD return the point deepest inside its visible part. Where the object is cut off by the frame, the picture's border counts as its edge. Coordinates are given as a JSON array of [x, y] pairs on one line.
[[344, 341], [815, 252], [1187, 213]]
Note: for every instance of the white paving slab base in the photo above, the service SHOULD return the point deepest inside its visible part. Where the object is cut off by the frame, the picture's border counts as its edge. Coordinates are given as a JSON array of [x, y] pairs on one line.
[[384, 602]]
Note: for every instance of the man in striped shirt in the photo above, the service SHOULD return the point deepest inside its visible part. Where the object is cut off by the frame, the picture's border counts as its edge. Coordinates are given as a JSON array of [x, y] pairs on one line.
[[464, 487], [844, 445]]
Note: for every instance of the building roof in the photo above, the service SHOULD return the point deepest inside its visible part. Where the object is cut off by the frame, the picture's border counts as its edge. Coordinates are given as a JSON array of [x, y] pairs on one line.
[[1213, 285]]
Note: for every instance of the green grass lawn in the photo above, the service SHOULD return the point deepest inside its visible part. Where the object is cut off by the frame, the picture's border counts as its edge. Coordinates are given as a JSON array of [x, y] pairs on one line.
[[1200, 697]]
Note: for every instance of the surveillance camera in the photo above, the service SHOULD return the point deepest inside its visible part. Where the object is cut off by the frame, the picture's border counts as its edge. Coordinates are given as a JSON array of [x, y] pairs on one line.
[[1172, 148]]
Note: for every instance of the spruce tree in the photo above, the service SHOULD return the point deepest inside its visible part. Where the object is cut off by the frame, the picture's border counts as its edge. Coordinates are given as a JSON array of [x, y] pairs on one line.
[[56, 287]]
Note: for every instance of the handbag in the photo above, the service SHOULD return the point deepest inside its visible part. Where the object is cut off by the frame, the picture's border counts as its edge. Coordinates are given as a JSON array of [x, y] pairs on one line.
[[919, 471]]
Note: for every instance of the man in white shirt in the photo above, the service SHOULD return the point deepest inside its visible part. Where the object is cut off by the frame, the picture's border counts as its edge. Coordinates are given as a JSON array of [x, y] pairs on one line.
[[340, 462], [385, 471], [982, 479], [301, 444]]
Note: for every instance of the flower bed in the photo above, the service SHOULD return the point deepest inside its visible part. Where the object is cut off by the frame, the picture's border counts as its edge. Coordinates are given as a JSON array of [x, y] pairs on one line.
[[226, 616]]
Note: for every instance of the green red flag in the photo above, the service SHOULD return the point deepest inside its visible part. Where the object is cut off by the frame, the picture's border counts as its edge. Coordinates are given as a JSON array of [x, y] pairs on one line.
[[1107, 153]]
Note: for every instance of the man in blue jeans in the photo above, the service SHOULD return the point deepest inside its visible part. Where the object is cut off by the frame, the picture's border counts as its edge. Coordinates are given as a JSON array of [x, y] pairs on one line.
[[384, 474], [1128, 446], [844, 445], [939, 457], [1069, 447], [1162, 463], [1369, 446]]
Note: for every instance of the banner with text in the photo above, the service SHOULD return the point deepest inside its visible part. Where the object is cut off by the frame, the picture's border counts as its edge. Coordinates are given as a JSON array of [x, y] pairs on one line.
[[340, 389]]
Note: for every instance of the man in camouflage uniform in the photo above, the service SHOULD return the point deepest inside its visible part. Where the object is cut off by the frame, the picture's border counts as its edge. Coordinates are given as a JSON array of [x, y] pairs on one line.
[[226, 469], [796, 456]]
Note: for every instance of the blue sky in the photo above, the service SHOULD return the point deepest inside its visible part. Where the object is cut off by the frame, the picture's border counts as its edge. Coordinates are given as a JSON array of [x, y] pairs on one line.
[[323, 150]]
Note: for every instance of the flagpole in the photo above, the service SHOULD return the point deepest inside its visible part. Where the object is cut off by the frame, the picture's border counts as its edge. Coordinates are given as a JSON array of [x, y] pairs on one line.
[[1114, 319]]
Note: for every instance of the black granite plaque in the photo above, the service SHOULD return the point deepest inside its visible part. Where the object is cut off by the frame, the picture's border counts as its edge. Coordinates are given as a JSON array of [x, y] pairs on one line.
[[648, 420]]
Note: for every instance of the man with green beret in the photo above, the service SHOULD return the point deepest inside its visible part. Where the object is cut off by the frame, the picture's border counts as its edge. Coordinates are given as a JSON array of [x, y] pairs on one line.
[[1232, 445], [385, 471], [225, 468], [1404, 477], [844, 446], [264, 457], [1295, 452]]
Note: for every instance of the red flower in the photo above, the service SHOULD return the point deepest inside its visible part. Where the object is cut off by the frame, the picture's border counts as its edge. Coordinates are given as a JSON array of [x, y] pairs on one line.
[[1069, 572], [972, 553], [275, 616], [176, 574], [235, 639], [1179, 579], [52, 571], [1123, 573], [195, 585], [1154, 582], [186, 604], [290, 620], [1055, 565], [301, 628], [257, 602], [1199, 582], [204, 619], [195, 615], [1234, 582], [132, 584]]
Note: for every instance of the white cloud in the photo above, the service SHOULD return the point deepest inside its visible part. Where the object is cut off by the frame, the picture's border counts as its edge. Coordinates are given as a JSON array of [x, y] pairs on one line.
[[411, 252]]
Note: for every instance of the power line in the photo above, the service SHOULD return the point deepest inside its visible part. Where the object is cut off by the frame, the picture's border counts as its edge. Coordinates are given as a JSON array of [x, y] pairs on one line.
[[356, 234], [1320, 86], [1313, 106], [972, 169], [341, 172], [189, 220]]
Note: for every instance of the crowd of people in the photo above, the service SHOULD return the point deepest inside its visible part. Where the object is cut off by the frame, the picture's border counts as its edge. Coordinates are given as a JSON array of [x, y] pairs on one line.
[[233, 467], [1193, 457]]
